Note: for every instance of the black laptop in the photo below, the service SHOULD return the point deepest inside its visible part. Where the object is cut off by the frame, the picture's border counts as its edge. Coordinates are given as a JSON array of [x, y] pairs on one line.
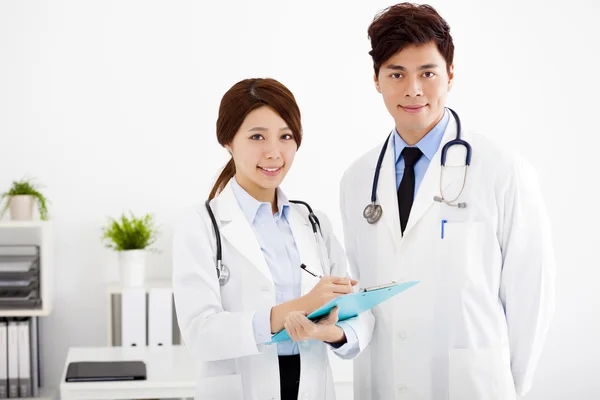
[[95, 371]]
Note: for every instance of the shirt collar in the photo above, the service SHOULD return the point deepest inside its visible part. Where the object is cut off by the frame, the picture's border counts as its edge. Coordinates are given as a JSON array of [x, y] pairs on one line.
[[251, 207], [429, 144]]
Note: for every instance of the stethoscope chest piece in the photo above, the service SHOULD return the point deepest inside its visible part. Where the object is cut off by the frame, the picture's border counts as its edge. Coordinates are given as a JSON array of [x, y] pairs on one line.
[[222, 273], [372, 213]]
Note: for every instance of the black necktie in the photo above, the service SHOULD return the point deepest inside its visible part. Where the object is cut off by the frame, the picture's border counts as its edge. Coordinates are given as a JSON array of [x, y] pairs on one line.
[[406, 190]]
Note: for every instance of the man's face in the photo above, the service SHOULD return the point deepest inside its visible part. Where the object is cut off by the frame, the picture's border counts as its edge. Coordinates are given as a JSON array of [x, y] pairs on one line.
[[414, 84]]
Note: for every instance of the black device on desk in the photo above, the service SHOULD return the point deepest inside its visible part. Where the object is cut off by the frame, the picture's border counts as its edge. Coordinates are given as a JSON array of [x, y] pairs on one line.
[[95, 371]]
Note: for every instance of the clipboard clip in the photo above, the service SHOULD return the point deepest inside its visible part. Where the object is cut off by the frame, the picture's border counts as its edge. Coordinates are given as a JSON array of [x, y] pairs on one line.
[[385, 285]]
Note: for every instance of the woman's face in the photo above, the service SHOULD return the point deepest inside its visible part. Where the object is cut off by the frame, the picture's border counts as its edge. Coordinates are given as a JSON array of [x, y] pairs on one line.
[[263, 151]]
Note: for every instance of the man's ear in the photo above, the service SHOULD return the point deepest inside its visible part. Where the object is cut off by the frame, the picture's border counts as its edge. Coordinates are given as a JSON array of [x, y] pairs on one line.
[[376, 80], [450, 77]]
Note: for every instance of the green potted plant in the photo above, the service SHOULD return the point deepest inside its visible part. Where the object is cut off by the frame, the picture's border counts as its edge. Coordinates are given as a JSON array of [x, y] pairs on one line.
[[131, 238], [20, 199]]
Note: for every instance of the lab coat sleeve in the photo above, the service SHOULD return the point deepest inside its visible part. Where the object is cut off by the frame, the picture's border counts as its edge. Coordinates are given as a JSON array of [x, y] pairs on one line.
[[528, 272], [351, 348], [207, 330], [349, 240], [362, 325], [261, 324]]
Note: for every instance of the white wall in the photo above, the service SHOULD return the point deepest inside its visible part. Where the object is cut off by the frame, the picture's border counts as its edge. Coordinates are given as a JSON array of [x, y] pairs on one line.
[[112, 105]]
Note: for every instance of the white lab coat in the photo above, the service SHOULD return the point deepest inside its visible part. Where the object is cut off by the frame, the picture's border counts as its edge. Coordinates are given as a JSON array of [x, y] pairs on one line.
[[216, 322], [474, 327]]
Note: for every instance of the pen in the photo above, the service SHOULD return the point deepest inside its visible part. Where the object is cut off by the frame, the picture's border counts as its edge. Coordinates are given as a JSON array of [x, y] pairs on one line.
[[304, 268], [443, 222]]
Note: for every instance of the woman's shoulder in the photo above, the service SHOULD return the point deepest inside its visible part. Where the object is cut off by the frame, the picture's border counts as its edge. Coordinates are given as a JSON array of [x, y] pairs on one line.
[[302, 208], [193, 217]]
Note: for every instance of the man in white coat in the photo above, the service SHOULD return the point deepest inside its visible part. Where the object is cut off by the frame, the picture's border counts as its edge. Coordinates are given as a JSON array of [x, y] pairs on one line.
[[474, 326]]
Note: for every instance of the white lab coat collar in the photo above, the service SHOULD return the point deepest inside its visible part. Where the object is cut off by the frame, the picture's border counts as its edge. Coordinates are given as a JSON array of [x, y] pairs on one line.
[[430, 186], [236, 229]]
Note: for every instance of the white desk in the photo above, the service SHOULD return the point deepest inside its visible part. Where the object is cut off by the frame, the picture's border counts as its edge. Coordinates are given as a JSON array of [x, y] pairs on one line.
[[171, 373]]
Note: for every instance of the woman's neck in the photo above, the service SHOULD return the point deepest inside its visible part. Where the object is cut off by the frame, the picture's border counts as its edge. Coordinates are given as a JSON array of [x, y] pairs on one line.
[[263, 195]]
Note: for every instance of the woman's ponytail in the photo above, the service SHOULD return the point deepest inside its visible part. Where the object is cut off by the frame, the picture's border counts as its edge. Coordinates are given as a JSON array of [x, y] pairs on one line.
[[227, 173]]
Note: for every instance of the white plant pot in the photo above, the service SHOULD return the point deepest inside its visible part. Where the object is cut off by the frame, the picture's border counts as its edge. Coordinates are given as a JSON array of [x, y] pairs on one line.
[[21, 207], [132, 264]]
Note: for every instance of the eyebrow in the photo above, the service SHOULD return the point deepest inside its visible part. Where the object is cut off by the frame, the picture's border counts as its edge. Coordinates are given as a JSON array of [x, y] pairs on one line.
[[401, 68], [261, 129]]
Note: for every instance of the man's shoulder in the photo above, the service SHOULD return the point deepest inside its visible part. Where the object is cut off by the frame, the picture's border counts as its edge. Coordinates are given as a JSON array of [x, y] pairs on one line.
[[366, 162], [500, 160], [502, 155]]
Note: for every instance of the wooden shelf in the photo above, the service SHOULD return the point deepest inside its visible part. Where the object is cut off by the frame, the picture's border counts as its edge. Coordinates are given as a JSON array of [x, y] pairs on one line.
[[116, 287], [44, 312], [23, 224]]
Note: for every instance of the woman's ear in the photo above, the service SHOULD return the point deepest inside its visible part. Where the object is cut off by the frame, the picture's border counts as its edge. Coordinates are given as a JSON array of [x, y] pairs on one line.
[[228, 147]]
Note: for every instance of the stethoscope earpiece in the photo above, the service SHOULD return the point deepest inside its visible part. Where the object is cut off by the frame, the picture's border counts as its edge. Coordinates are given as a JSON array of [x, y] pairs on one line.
[[440, 200]]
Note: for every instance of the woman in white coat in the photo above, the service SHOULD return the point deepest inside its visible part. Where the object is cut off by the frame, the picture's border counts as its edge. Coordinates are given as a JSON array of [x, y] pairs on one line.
[[265, 239]]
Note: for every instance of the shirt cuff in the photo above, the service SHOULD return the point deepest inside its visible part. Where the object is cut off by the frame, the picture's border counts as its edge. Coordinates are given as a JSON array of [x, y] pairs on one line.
[[261, 323], [351, 340]]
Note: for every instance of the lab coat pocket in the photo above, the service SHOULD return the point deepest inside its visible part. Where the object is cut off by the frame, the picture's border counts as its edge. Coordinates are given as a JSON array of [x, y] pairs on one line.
[[225, 387], [481, 373], [459, 253], [219, 380]]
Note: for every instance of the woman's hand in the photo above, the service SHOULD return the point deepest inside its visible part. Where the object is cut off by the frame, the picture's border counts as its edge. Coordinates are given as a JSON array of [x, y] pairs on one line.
[[328, 288], [300, 328]]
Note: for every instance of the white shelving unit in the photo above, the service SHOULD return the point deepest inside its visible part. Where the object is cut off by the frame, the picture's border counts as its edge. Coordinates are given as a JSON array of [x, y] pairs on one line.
[[34, 233]]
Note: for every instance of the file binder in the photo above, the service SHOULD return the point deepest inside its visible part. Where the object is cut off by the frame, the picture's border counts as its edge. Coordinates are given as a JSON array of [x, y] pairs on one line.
[[3, 359], [13, 359], [133, 313], [350, 305], [160, 317], [25, 389], [105, 371]]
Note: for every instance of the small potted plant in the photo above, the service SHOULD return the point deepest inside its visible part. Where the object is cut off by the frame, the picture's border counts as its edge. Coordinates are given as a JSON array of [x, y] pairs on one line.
[[21, 198], [131, 238]]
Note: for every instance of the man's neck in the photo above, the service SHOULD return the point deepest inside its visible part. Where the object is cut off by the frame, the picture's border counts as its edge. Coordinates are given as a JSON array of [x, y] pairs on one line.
[[412, 137]]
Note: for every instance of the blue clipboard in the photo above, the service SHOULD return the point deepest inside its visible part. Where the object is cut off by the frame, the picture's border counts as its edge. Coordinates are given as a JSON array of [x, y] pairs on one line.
[[350, 305]]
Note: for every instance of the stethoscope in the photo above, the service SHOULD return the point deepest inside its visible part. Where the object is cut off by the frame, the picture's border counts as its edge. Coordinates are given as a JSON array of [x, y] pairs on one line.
[[373, 211], [223, 272]]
